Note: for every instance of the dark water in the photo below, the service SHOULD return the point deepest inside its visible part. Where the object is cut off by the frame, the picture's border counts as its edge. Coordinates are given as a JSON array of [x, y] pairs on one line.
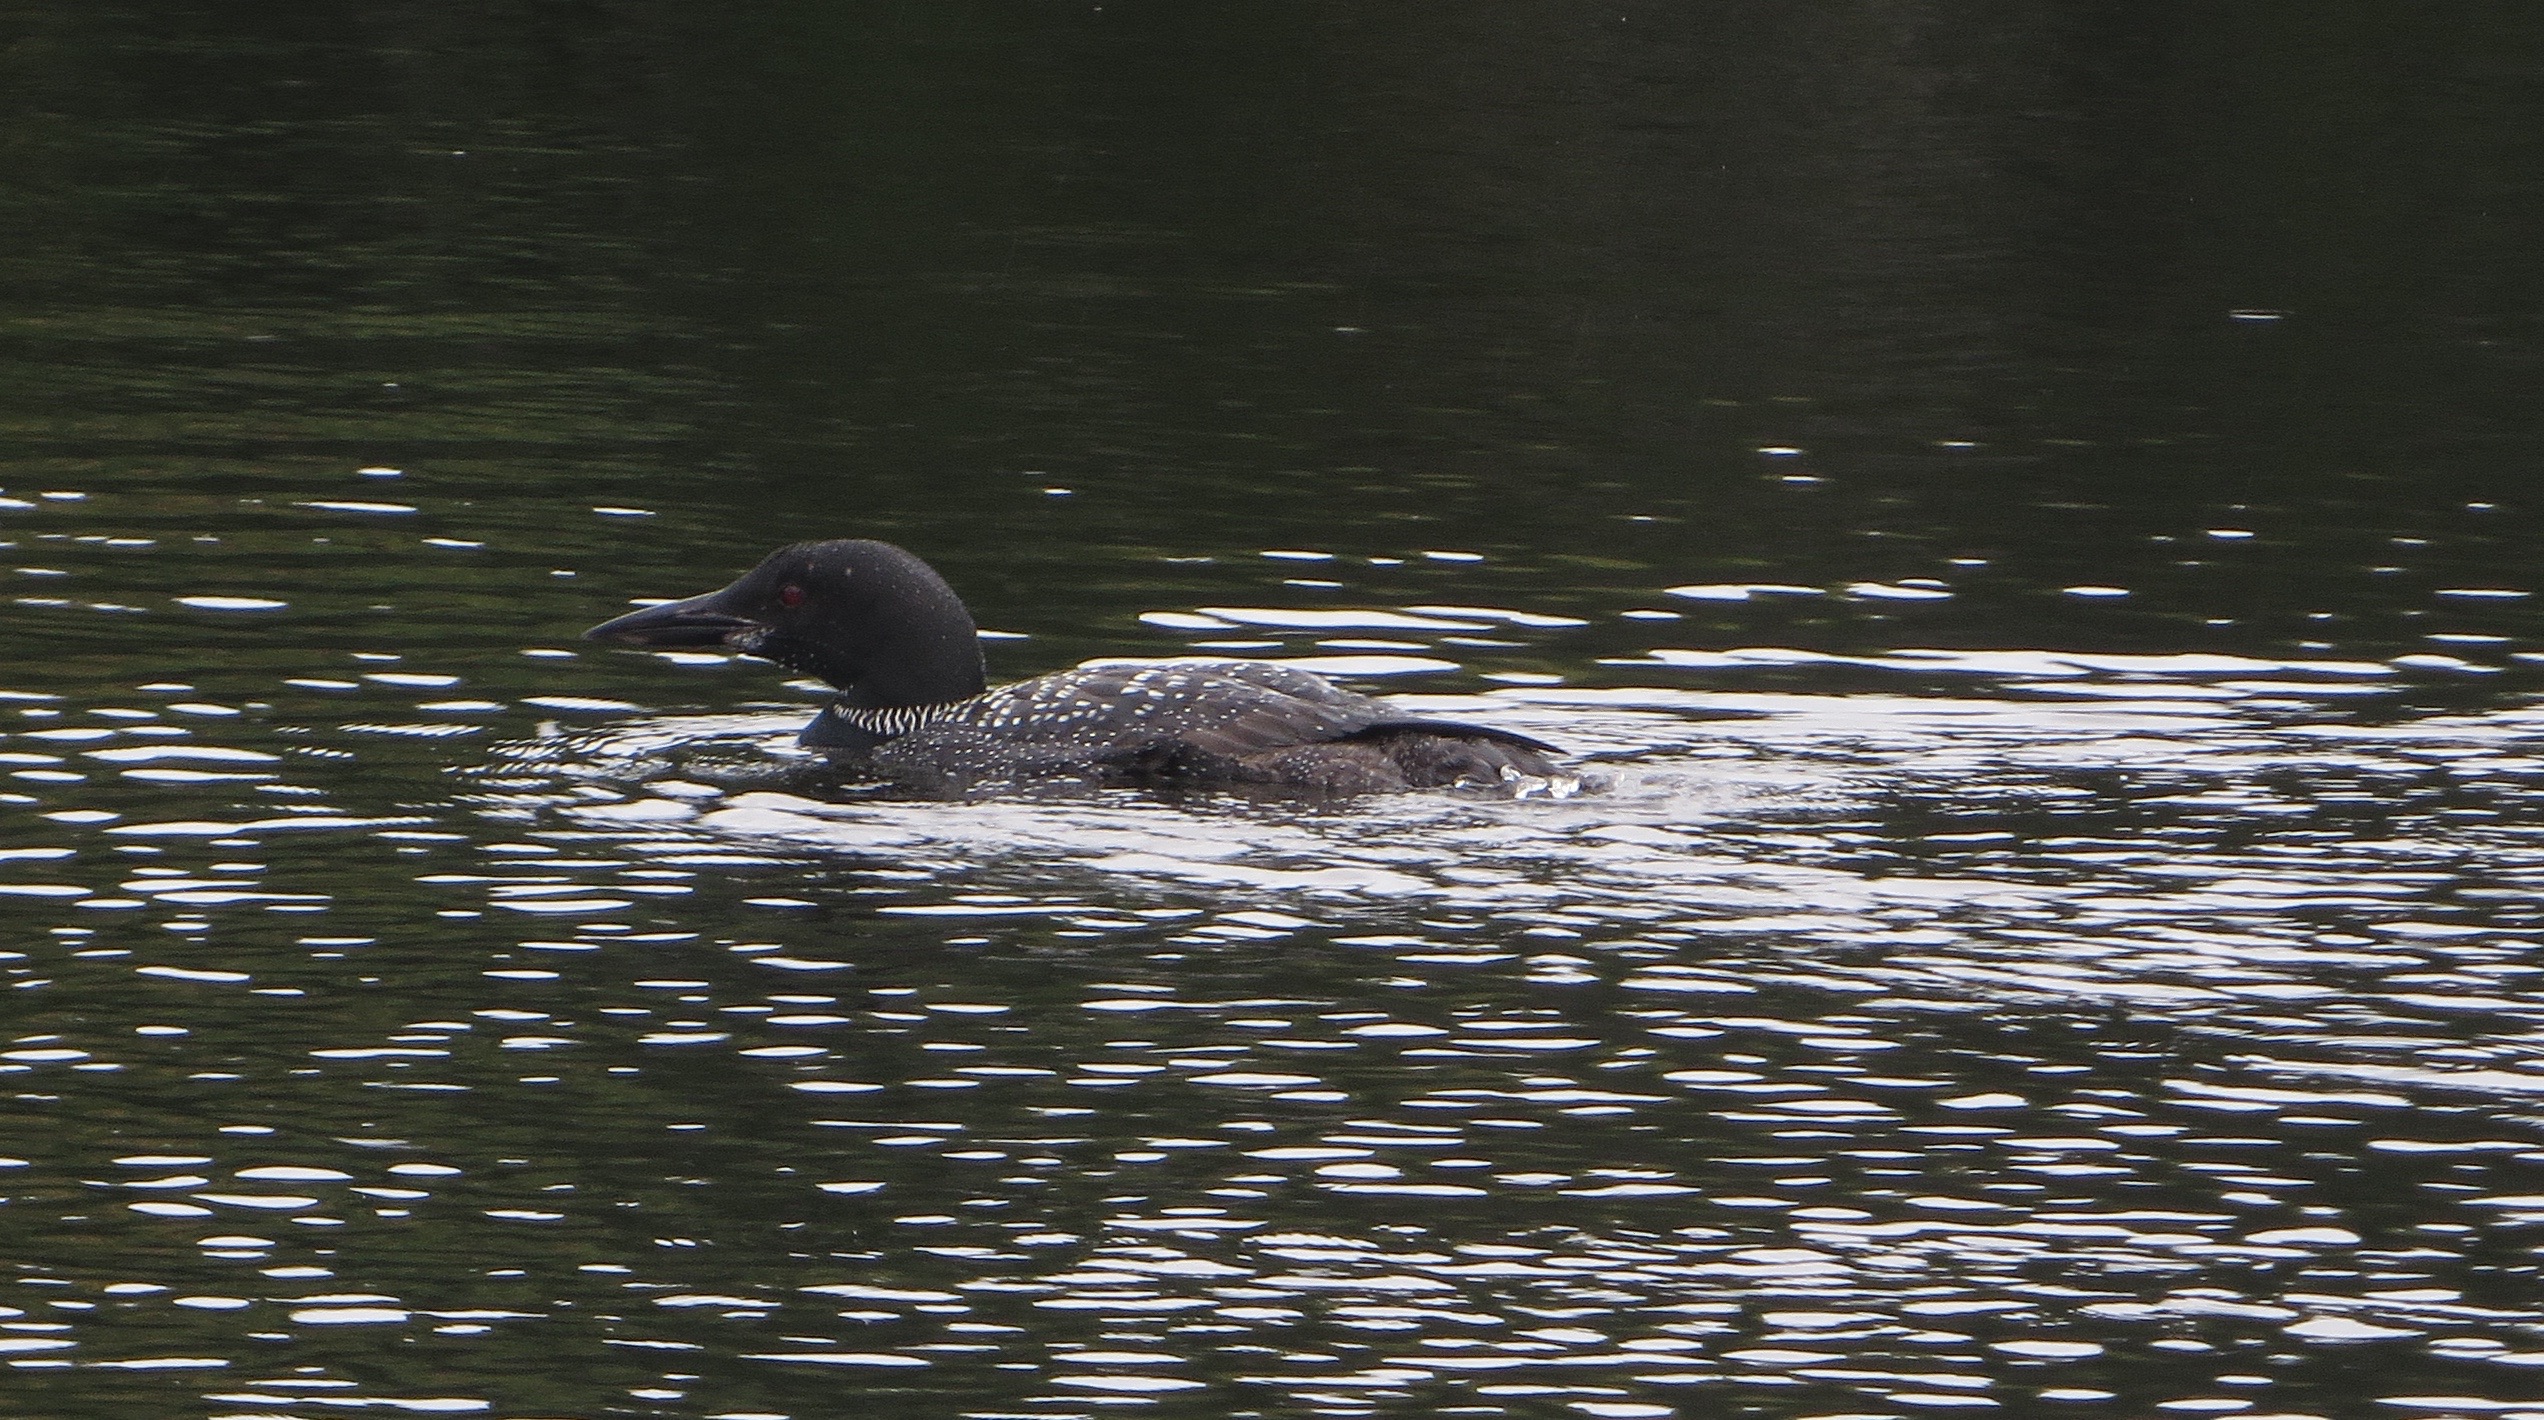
[[2026, 519]]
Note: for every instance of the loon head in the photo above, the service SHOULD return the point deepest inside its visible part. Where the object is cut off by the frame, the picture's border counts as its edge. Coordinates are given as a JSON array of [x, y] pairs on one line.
[[869, 618]]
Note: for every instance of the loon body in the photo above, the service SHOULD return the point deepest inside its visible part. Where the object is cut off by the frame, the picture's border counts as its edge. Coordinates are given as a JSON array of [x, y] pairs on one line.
[[914, 702]]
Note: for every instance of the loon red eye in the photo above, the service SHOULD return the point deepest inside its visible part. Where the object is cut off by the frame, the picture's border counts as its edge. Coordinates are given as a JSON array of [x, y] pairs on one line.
[[790, 595]]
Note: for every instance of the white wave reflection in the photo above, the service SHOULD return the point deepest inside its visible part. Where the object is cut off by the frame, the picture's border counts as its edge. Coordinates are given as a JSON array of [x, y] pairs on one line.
[[1849, 1055]]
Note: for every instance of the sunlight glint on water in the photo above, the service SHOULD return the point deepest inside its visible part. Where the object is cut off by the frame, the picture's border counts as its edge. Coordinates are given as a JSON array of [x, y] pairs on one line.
[[1894, 1050]]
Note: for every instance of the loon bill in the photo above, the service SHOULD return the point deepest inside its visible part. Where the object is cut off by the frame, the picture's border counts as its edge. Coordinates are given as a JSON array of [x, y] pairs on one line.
[[915, 703]]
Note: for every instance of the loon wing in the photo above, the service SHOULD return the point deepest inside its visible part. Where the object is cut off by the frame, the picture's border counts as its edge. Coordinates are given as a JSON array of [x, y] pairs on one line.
[[1383, 719], [1457, 730]]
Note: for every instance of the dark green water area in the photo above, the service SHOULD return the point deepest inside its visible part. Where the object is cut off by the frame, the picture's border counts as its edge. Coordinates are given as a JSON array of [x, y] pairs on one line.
[[2025, 520]]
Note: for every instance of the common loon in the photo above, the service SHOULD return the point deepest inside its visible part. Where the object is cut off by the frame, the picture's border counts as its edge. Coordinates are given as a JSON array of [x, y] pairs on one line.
[[915, 704]]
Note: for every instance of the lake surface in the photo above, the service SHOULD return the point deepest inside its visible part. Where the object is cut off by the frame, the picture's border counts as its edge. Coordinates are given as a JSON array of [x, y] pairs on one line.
[[2025, 523]]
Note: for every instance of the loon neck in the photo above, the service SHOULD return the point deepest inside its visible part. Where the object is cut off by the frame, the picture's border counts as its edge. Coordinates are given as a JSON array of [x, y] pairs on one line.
[[942, 670], [860, 728], [887, 721]]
